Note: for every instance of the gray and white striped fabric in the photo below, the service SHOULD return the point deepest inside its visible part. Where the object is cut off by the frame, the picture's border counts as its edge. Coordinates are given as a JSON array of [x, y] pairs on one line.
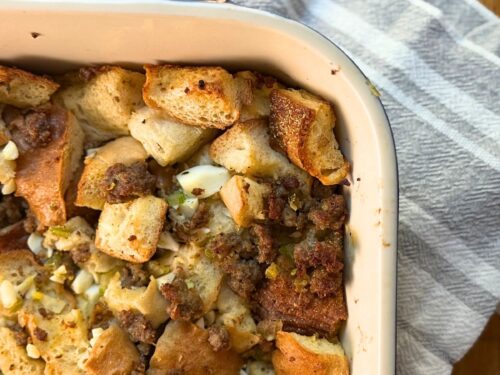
[[437, 65]]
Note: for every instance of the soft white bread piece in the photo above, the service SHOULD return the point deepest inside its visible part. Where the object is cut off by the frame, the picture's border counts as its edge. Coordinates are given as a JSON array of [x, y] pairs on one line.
[[208, 97], [236, 317], [298, 355], [184, 347], [302, 124], [202, 273], [65, 347], [244, 198], [20, 268], [15, 267], [130, 230], [146, 300], [262, 85], [112, 353], [165, 139], [22, 89], [102, 99], [245, 149], [14, 359], [44, 173], [125, 150]]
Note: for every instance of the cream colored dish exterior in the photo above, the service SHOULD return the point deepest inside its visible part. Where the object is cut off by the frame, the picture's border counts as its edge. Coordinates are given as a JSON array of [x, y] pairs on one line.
[[52, 36]]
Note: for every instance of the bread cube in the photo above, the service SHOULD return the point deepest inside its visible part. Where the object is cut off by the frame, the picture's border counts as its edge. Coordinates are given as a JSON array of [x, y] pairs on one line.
[[112, 353], [245, 149], [184, 347], [103, 99], [22, 89], [302, 124], [235, 316], [205, 276], [244, 198], [208, 97], [262, 86], [167, 140], [130, 230], [13, 358], [66, 344], [146, 300], [125, 150], [44, 173], [298, 354]]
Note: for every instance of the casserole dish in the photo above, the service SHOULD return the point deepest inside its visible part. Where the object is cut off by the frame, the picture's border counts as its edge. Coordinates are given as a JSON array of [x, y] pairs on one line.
[[54, 37]]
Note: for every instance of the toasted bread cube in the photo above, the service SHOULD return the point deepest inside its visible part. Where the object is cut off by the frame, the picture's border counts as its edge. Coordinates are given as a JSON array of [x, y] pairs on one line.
[[14, 359], [22, 89], [130, 231], [167, 140], [302, 124], [146, 300], [184, 347], [208, 97], [102, 99], [125, 150], [244, 198], [245, 149], [66, 344], [236, 318], [204, 274], [260, 105], [298, 355], [112, 353], [44, 173]]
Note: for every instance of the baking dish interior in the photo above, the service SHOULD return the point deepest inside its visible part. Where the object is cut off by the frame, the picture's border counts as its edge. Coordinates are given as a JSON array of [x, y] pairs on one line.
[[54, 37]]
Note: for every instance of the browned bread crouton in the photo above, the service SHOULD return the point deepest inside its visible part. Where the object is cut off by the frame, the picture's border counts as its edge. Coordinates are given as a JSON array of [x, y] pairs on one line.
[[184, 347], [102, 99], [22, 89], [124, 150], [245, 149], [302, 124], [301, 312], [45, 171], [298, 355], [208, 97], [130, 231], [112, 353], [244, 198]]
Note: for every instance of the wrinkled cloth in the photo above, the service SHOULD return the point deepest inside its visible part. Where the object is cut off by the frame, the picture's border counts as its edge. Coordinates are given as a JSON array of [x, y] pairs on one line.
[[437, 66]]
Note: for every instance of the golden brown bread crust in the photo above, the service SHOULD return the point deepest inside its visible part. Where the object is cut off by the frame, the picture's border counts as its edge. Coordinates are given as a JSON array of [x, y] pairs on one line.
[[43, 173], [302, 125], [292, 358], [184, 347], [22, 89], [204, 96], [112, 354]]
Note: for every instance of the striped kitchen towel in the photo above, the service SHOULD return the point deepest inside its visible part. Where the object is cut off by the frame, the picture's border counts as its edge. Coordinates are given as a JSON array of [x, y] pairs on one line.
[[437, 66]]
